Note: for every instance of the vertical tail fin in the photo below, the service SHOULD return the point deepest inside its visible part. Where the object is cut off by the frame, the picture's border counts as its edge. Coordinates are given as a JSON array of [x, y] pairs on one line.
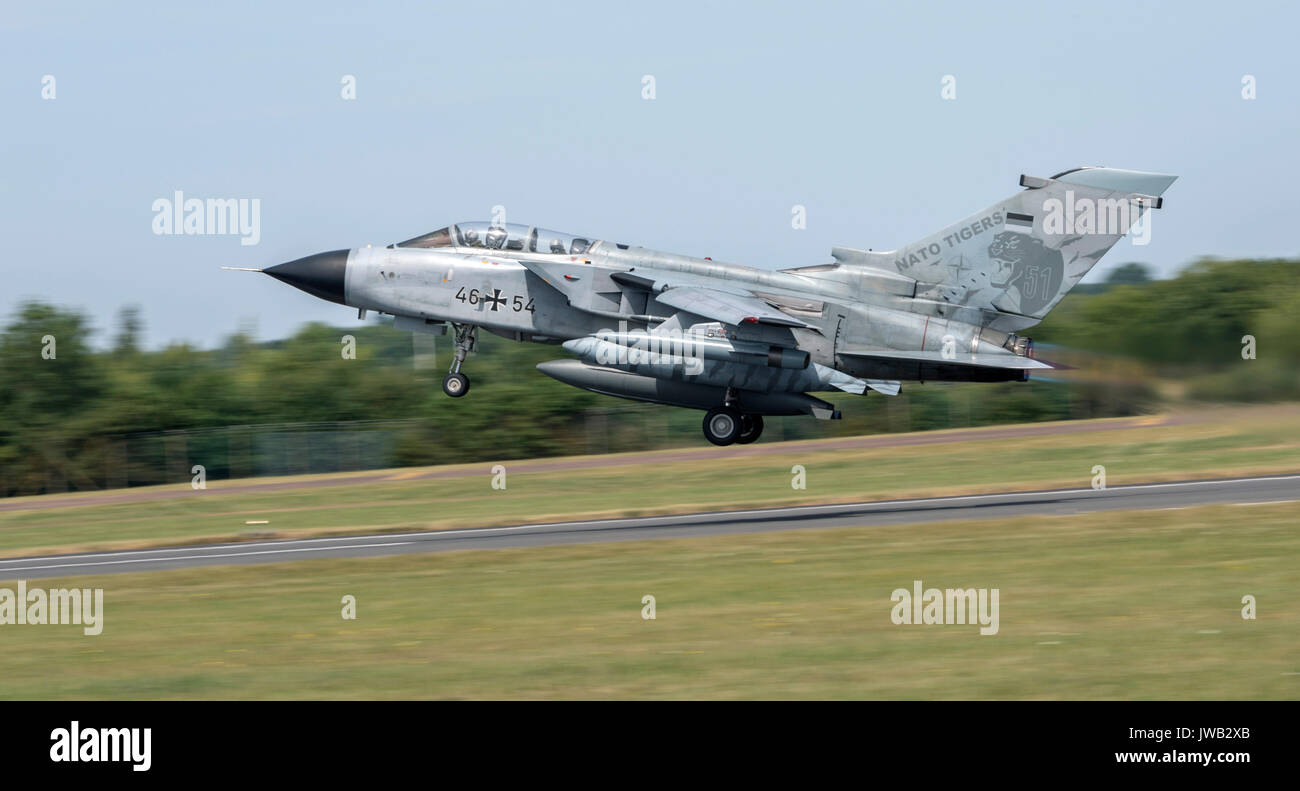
[[1022, 255]]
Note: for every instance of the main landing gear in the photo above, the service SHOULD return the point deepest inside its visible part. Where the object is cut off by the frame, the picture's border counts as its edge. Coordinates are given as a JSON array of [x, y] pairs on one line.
[[456, 384], [724, 425]]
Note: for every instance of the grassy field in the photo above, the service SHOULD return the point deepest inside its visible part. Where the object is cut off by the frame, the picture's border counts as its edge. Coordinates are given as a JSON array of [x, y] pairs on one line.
[[1214, 443], [1116, 605]]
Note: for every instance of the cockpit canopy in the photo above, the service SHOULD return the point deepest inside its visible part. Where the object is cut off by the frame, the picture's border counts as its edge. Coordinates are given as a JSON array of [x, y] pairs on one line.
[[508, 237]]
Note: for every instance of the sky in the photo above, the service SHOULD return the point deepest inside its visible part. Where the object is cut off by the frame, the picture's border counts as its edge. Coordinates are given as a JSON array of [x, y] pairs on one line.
[[541, 109]]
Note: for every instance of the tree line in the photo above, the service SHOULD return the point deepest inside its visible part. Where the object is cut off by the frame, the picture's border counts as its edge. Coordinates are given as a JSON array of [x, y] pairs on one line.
[[74, 416]]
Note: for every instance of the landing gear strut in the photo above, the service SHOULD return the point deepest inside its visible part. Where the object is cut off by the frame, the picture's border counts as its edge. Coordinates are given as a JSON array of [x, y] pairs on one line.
[[456, 384]]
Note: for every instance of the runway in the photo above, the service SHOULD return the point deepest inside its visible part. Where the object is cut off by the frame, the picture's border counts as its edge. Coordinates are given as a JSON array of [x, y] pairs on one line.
[[1180, 494]]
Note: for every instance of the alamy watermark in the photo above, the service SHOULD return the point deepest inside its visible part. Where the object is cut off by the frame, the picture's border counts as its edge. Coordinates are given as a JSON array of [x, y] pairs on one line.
[[94, 745], [53, 607], [1102, 216], [662, 347], [950, 606], [181, 216]]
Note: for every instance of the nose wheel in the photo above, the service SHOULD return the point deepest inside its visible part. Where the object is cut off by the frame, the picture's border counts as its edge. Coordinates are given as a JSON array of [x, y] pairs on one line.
[[455, 383]]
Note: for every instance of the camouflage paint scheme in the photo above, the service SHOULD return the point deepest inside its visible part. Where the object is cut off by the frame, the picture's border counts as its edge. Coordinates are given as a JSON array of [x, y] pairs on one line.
[[692, 332]]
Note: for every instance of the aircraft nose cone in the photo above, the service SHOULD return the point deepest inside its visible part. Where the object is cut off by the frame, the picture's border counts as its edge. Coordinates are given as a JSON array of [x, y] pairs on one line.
[[321, 275]]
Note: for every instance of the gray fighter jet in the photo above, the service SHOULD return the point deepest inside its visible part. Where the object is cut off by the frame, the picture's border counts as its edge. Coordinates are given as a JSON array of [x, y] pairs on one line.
[[742, 343]]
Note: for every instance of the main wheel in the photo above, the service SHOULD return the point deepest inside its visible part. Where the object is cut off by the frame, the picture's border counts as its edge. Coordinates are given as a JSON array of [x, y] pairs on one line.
[[722, 425], [455, 385], [751, 426]]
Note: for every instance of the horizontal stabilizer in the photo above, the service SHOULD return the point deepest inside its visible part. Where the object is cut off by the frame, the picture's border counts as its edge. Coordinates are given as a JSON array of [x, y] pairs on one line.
[[851, 384], [860, 386]]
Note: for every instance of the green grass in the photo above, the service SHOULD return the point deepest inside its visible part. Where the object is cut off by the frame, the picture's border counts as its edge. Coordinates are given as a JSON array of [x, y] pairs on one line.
[[1212, 444], [1118, 605]]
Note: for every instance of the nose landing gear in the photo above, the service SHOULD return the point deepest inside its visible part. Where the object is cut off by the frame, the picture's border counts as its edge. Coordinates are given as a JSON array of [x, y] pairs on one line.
[[456, 384]]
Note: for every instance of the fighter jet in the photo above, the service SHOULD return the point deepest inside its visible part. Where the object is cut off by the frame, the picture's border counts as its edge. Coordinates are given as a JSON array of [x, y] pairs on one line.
[[742, 343]]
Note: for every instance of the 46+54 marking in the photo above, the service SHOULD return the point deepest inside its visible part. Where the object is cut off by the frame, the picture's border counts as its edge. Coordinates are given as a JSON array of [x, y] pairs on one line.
[[495, 299]]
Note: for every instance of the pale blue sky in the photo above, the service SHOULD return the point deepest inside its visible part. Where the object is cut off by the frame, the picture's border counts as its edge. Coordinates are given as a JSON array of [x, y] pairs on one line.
[[759, 107]]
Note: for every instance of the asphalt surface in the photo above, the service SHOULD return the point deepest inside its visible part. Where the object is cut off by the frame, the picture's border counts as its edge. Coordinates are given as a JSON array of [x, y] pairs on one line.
[[1244, 491]]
